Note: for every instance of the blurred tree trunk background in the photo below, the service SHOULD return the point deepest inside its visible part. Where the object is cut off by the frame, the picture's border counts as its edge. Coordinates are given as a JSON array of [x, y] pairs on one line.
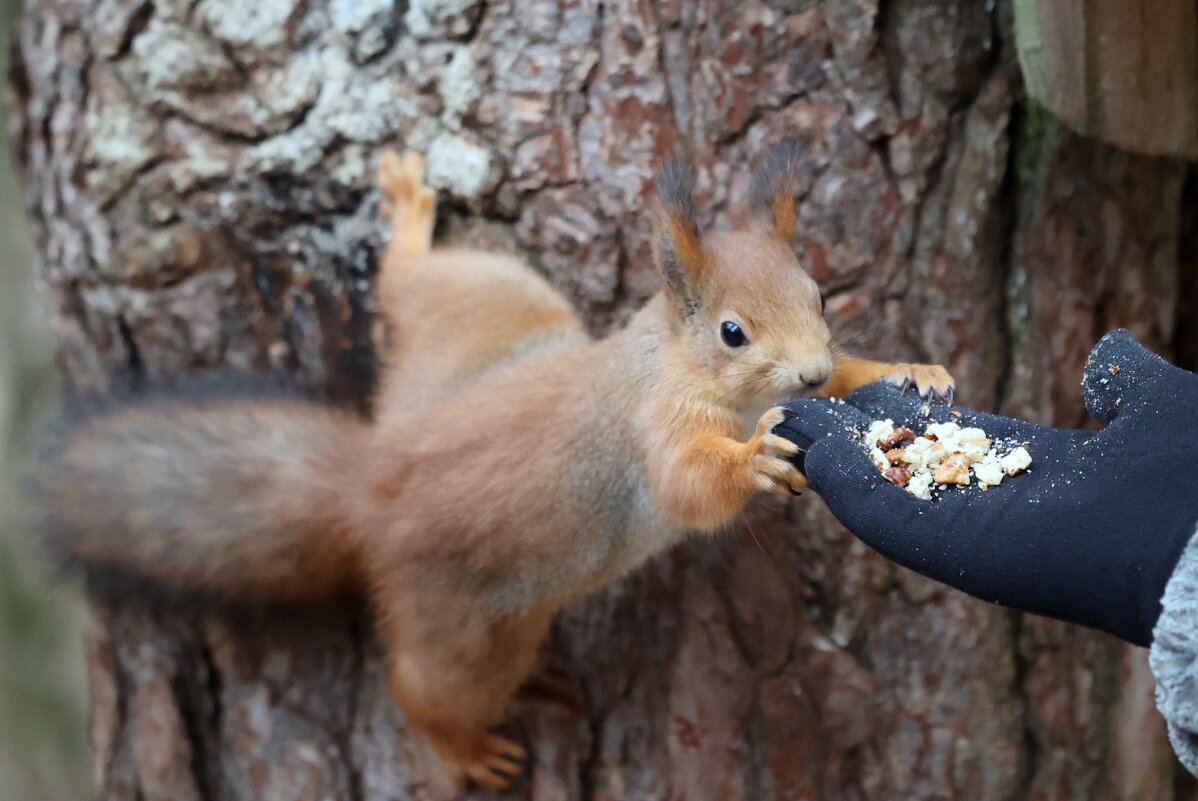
[[199, 176], [43, 738]]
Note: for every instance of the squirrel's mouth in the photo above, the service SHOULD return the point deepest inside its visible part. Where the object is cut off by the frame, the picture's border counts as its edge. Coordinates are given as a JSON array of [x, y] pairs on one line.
[[771, 386], [795, 387]]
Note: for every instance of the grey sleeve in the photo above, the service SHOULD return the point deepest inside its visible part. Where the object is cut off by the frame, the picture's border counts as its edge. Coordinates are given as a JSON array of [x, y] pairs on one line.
[[1174, 657]]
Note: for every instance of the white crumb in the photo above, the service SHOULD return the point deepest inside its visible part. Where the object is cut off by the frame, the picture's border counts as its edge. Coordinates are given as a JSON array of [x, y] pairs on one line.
[[1016, 461], [920, 485]]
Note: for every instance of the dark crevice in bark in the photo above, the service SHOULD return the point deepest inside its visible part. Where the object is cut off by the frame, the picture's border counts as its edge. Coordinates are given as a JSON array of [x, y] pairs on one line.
[[19, 93], [588, 766], [359, 634], [213, 695], [133, 358], [1010, 200], [475, 24], [1185, 336], [197, 696], [132, 181], [881, 148], [138, 22], [883, 28], [754, 118], [119, 725]]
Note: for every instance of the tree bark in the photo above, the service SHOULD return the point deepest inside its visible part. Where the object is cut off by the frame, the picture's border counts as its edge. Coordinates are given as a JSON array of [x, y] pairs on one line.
[[199, 175]]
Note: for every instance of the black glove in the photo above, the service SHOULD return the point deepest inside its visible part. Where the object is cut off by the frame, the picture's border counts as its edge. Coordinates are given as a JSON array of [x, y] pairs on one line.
[[1090, 534]]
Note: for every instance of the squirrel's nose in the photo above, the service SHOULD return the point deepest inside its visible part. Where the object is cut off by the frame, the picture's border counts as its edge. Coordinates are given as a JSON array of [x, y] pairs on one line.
[[814, 378]]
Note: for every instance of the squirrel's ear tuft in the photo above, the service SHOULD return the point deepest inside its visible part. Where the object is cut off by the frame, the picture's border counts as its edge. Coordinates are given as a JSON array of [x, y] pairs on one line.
[[774, 189], [677, 246]]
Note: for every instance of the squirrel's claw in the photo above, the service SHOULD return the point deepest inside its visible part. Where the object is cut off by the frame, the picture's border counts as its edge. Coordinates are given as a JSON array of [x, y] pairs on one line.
[[504, 746], [930, 381], [769, 456], [497, 761]]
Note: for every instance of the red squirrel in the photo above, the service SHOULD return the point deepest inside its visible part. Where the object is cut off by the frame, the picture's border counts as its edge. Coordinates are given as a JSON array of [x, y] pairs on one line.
[[514, 464]]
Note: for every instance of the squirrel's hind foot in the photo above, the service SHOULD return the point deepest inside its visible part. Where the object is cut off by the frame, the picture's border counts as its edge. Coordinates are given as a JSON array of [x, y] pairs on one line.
[[407, 202], [495, 762]]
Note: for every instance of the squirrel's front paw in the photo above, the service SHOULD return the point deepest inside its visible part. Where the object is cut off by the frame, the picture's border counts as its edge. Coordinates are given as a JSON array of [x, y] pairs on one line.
[[769, 457], [931, 381]]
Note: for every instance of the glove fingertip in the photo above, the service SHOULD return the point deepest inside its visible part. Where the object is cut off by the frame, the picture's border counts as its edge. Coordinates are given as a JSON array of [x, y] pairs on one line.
[[809, 419], [830, 460], [1119, 370], [849, 483]]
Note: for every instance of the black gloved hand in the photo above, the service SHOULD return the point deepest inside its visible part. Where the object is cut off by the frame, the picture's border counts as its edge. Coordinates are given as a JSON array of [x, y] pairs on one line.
[[1090, 534]]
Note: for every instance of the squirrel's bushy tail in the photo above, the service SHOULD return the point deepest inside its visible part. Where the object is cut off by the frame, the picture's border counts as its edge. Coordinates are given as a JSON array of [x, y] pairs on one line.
[[227, 490]]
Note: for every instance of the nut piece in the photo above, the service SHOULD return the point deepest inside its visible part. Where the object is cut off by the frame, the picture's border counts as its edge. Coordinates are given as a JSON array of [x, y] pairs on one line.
[[976, 449], [895, 456], [898, 475], [1016, 461], [921, 486], [988, 473], [898, 438], [879, 429], [938, 431], [953, 470], [1113, 369]]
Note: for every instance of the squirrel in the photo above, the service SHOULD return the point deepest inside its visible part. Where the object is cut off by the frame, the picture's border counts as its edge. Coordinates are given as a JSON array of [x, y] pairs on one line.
[[513, 465]]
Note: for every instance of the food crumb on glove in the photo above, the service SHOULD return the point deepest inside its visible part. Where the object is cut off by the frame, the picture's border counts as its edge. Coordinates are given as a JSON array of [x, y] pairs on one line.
[[945, 455]]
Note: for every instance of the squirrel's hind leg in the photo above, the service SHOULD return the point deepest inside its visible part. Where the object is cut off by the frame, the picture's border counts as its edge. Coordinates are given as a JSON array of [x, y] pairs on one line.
[[407, 203], [454, 677], [450, 314]]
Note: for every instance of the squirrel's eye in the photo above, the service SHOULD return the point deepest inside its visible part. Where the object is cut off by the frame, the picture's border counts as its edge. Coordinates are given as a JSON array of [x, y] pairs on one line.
[[732, 335]]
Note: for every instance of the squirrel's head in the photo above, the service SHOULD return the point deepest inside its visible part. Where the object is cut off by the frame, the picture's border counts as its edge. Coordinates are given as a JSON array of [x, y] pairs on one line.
[[748, 315]]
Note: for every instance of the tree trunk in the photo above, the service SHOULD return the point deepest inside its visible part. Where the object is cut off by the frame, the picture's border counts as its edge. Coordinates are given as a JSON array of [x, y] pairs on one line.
[[199, 174]]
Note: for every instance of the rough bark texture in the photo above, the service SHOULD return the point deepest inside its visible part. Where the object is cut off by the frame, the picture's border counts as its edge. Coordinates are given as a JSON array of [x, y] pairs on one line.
[[199, 174]]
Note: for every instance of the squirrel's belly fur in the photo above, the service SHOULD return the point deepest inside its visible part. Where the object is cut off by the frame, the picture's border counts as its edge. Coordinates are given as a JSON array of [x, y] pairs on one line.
[[497, 509]]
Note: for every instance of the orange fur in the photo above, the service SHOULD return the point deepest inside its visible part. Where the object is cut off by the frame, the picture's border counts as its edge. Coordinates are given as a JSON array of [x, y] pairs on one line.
[[687, 244], [783, 211]]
